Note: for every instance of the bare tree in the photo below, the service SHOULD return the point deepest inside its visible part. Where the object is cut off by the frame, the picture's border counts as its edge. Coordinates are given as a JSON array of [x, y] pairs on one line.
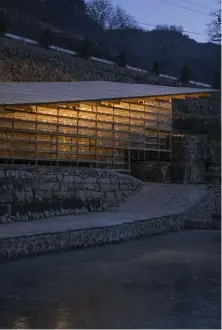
[[214, 28], [214, 33], [176, 28], [163, 54], [165, 27], [121, 19], [3, 23], [100, 11], [160, 27]]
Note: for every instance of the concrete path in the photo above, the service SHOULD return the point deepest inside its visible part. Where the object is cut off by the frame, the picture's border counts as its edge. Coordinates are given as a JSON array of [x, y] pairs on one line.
[[154, 201]]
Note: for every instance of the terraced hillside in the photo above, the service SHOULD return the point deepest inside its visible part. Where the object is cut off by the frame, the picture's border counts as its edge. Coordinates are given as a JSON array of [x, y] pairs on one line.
[[22, 62]]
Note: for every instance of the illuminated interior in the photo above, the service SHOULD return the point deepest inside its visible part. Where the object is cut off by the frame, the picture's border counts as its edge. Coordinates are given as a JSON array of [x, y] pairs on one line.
[[104, 134]]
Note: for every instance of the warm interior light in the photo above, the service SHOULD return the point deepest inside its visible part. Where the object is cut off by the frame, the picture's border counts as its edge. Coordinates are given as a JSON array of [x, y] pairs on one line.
[[65, 131]]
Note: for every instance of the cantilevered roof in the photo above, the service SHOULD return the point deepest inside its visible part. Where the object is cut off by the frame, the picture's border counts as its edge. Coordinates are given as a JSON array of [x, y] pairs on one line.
[[59, 92]]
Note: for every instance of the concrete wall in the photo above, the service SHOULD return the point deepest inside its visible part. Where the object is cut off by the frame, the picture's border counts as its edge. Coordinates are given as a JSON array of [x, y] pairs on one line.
[[36, 192]]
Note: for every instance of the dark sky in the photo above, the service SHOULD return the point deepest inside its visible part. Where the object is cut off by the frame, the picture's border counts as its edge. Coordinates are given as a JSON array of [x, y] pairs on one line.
[[158, 12]]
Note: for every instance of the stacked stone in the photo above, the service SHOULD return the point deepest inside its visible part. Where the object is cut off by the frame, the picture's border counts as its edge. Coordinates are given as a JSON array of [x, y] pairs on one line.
[[196, 116], [203, 106], [28, 193], [18, 62], [187, 158], [152, 171], [197, 120], [196, 217]]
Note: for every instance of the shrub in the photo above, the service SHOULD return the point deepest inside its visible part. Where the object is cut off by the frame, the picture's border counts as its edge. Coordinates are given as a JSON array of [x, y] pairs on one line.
[[46, 39], [156, 68], [86, 49]]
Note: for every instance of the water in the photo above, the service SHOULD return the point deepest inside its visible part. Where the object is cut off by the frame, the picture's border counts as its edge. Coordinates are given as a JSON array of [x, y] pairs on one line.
[[170, 281]]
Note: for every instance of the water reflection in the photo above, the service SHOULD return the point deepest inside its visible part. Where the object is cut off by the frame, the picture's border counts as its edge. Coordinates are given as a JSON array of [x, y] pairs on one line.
[[20, 323], [62, 319], [162, 282]]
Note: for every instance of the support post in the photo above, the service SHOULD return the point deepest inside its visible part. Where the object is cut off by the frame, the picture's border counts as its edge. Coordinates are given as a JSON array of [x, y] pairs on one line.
[[96, 135], [13, 137], [36, 129], [129, 161], [113, 137], [158, 136], [77, 140]]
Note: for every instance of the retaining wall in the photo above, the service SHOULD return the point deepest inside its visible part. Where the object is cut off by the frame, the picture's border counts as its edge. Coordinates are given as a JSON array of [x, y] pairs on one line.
[[199, 120], [202, 106], [28, 193], [50, 242], [188, 158], [155, 171]]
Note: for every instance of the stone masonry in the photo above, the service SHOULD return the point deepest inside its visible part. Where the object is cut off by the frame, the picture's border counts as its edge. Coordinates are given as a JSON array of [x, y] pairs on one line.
[[153, 171], [29, 192], [187, 164], [202, 106], [198, 121], [26, 245]]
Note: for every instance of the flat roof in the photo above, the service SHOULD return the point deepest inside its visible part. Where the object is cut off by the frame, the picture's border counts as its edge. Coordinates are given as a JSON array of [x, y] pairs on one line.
[[62, 92]]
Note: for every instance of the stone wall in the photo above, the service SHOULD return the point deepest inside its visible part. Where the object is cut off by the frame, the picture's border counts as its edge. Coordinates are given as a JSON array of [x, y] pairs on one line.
[[188, 158], [198, 120], [52, 242], [201, 215], [36, 192], [155, 171], [197, 116], [202, 106], [18, 60]]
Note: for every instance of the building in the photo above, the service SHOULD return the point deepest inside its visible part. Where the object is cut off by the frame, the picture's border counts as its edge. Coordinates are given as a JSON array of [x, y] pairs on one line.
[[97, 124]]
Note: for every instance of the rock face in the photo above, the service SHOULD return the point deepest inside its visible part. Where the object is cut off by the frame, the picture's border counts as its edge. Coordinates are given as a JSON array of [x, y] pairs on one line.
[[28, 192]]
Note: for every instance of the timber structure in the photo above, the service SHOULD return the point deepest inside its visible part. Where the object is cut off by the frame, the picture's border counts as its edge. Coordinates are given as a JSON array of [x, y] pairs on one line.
[[93, 124]]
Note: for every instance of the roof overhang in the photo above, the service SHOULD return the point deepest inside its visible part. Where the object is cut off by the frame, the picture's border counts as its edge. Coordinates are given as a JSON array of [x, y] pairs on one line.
[[66, 92]]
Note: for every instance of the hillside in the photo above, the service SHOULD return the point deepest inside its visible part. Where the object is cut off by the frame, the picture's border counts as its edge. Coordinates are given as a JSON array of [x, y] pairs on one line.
[[70, 24], [64, 15], [172, 49], [23, 62]]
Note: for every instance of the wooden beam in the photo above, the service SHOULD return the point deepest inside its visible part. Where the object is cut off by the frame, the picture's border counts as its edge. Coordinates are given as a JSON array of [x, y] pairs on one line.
[[132, 124]]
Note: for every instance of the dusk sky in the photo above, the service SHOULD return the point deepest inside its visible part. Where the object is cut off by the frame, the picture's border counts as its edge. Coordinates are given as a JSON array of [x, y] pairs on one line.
[[159, 12]]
